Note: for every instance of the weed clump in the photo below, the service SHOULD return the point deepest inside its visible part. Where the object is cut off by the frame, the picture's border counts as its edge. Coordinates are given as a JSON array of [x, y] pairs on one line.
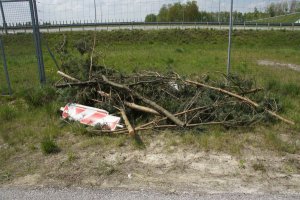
[[259, 167], [7, 113], [39, 96], [49, 146]]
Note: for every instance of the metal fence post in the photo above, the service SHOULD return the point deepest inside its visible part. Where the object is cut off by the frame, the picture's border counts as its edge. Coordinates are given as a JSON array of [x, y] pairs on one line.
[[37, 40], [3, 18], [229, 41], [37, 26], [5, 67]]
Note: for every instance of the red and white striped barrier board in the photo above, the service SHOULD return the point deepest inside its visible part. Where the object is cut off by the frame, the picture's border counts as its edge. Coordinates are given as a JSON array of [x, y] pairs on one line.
[[90, 116]]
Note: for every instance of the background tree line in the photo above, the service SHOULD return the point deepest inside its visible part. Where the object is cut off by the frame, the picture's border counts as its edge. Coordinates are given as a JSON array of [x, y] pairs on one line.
[[189, 12]]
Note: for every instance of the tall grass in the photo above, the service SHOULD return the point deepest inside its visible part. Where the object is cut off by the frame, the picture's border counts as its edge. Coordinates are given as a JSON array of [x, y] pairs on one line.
[[7, 113]]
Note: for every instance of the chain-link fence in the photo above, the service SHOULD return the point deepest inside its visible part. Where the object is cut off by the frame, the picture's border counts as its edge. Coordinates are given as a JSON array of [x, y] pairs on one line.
[[21, 13], [56, 16], [251, 14], [137, 10], [154, 14]]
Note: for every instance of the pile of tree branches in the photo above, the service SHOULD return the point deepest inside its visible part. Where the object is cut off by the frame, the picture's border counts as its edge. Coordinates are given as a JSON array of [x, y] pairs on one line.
[[150, 100]]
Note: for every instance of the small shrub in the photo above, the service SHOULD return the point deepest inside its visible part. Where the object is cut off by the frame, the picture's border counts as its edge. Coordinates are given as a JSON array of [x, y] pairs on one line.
[[106, 169], [49, 146], [138, 142], [71, 156], [259, 167], [242, 164], [39, 96], [7, 113], [83, 46], [5, 176]]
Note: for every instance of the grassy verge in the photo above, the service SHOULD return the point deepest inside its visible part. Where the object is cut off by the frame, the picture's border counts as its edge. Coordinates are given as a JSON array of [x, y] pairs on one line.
[[31, 115], [292, 18]]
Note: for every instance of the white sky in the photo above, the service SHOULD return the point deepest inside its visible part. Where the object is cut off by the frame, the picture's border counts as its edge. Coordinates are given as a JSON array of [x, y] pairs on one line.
[[114, 10]]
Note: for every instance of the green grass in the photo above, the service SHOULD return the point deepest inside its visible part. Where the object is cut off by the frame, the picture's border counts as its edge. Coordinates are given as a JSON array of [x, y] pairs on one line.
[[49, 146], [7, 113], [292, 18], [31, 114]]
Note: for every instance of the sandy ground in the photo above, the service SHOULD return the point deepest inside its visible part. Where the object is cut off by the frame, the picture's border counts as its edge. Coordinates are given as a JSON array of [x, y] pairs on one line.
[[166, 169]]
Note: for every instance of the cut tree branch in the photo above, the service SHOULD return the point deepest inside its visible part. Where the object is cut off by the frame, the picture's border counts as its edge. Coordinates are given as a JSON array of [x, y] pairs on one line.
[[91, 58], [67, 76], [146, 101], [141, 108], [245, 99], [127, 123]]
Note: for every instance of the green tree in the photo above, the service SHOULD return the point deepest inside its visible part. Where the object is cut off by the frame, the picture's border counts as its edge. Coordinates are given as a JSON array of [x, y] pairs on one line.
[[176, 13], [256, 13], [297, 9], [285, 7], [163, 15], [191, 11], [271, 9], [151, 18]]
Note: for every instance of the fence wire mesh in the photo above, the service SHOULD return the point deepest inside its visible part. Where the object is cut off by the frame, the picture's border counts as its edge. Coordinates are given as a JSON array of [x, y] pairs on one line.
[[74, 11], [20, 51], [17, 13], [55, 14]]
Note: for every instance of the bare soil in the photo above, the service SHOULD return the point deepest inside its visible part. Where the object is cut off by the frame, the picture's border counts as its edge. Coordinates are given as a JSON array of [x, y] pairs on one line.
[[162, 167], [278, 64]]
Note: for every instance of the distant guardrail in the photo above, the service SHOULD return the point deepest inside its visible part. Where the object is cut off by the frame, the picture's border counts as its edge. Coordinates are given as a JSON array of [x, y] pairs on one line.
[[56, 27]]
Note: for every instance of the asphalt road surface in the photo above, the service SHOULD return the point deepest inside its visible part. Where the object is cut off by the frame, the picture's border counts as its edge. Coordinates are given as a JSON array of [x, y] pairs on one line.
[[87, 194]]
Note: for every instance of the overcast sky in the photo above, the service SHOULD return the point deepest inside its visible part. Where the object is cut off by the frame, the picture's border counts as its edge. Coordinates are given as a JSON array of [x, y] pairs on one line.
[[115, 10]]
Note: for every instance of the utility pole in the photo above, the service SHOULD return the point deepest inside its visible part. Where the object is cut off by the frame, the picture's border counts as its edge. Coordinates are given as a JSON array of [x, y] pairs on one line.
[[219, 11], [229, 40], [95, 11]]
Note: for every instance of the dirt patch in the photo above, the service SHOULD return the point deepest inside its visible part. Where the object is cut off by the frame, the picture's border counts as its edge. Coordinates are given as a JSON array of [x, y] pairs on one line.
[[278, 64], [28, 180], [167, 168]]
